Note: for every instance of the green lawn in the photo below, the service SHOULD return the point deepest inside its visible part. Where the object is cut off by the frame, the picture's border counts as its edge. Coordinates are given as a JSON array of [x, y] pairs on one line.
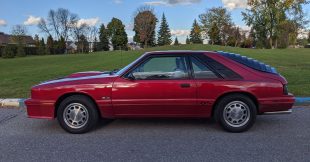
[[19, 74]]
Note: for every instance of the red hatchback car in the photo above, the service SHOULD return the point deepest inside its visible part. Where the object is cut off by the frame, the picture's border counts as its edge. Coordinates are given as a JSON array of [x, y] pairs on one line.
[[232, 89]]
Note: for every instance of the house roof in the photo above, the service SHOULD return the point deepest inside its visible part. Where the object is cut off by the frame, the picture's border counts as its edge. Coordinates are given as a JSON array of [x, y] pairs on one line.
[[7, 39]]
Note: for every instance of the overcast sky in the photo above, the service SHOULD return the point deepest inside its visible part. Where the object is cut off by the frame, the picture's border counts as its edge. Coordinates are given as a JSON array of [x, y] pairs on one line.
[[180, 13]]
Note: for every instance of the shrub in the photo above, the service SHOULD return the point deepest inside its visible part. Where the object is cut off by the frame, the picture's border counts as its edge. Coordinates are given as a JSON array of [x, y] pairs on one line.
[[31, 51], [8, 52], [20, 51], [41, 50]]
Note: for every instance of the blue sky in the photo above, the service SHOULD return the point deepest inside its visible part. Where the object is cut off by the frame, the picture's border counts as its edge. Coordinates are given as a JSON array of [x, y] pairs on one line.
[[180, 13]]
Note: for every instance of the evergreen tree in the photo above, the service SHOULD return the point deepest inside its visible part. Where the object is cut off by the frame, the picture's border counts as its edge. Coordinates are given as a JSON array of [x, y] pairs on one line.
[[195, 35], [95, 45], [103, 44], [61, 45], [187, 40], [176, 41], [41, 48], [50, 45], [37, 40], [164, 34], [214, 34], [83, 45], [118, 34]]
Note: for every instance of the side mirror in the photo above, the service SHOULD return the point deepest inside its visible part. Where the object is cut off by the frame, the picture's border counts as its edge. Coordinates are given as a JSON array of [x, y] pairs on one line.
[[131, 77]]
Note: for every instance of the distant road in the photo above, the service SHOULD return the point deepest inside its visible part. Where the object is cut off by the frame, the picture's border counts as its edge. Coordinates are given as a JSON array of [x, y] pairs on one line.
[[273, 138]]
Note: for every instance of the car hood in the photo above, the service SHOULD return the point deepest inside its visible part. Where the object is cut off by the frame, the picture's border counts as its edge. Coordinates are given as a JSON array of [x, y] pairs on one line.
[[79, 77], [86, 73]]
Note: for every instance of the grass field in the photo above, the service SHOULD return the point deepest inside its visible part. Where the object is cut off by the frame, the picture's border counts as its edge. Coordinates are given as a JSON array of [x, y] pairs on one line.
[[19, 74]]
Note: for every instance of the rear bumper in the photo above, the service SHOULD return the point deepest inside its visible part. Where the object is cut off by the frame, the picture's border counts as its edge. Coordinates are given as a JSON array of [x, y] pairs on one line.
[[41, 109], [277, 104]]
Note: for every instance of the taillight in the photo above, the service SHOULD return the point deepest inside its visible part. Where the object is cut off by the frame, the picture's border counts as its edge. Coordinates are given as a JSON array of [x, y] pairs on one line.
[[285, 90]]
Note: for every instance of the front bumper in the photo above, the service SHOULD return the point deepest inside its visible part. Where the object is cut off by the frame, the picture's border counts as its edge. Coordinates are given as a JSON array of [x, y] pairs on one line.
[[41, 109], [276, 104]]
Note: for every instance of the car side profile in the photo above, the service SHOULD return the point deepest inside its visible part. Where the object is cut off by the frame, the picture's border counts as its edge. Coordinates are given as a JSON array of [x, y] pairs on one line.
[[231, 88]]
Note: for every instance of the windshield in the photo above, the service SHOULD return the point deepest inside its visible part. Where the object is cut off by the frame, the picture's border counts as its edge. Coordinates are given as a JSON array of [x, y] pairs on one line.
[[128, 66]]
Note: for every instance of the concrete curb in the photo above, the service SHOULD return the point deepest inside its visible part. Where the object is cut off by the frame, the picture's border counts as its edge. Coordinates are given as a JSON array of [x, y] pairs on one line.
[[302, 101], [19, 102], [12, 103]]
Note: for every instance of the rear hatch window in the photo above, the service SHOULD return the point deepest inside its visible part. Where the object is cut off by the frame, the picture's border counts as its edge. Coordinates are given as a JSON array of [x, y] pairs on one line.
[[249, 62]]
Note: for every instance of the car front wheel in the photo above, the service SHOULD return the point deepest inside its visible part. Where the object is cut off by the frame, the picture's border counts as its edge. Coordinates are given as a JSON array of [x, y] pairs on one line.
[[77, 114], [236, 113]]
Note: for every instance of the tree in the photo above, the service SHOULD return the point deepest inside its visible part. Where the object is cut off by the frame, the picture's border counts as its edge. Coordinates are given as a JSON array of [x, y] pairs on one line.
[[50, 45], [144, 26], [176, 41], [103, 44], [237, 36], [41, 48], [252, 36], [266, 16], [214, 34], [59, 23], [164, 34], [95, 45], [195, 35], [226, 33], [79, 30], [285, 31], [37, 40], [219, 17], [91, 34], [187, 40], [117, 34], [61, 45], [309, 37], [19, 33], [83, 45]]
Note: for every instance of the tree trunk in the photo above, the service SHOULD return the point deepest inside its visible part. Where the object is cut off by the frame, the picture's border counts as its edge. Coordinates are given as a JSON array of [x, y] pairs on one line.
[[145, 43], [270, 42], [276, 43]]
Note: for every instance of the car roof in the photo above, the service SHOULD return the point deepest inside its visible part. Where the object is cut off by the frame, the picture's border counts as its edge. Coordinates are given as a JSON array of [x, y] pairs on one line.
[[178, 52]]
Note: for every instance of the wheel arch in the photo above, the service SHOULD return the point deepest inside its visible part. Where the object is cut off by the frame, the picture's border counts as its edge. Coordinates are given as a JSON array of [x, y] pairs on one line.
[[248, 94], [66, 95]]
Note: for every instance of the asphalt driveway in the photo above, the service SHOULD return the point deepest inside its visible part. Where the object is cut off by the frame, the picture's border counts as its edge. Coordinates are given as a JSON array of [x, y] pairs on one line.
[[273, 138]]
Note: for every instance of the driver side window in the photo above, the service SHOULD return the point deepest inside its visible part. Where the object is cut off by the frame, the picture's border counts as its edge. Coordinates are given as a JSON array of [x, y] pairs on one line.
[[164, 67]]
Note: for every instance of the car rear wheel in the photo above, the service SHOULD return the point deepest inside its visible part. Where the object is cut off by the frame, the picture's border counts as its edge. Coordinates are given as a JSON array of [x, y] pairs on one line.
[[77, 114], [236, 113]]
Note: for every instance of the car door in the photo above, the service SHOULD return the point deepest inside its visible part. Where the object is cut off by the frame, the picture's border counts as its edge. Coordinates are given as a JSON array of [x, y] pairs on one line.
[[208, 84], [160, 85]]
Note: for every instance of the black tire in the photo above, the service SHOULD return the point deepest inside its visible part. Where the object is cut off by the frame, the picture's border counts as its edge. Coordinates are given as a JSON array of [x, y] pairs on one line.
[[228, 118], [89, 113]]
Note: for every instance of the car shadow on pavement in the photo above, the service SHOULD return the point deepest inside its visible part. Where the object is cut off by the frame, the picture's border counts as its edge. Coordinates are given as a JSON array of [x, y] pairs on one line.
[[157, 123], [262, 124]]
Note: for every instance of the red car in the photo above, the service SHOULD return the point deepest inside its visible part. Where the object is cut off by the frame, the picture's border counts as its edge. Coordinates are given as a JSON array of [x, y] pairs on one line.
[[231, 88]]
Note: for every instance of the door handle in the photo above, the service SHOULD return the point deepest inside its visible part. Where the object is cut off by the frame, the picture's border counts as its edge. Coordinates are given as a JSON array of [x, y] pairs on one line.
[[185, 85]]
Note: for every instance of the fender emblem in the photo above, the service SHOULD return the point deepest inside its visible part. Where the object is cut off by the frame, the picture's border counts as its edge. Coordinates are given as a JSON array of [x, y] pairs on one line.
[[106, 98]]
